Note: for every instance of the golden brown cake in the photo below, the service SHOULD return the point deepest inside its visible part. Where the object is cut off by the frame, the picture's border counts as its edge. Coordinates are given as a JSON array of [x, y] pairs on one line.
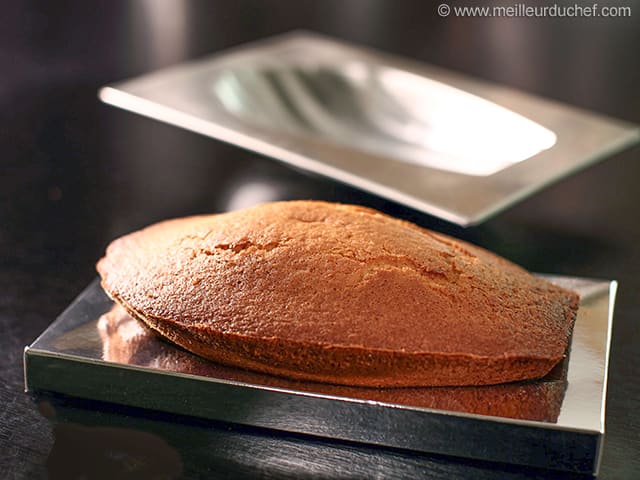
[[339, 294]]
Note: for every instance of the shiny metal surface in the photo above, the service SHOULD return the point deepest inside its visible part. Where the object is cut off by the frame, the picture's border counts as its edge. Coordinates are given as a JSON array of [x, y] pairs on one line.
[[98, 352], [381, 111], [448, 145]]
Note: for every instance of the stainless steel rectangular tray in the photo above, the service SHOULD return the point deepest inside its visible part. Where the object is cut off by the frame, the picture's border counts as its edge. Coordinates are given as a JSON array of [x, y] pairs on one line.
[[93, 350], [438, 141]]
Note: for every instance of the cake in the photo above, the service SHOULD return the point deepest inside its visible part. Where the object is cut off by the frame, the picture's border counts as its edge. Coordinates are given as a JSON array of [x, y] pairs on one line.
[[339, 294]]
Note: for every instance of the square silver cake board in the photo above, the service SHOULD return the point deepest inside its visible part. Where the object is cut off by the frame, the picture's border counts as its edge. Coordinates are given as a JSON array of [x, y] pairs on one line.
[[452, 146], [82, 354]]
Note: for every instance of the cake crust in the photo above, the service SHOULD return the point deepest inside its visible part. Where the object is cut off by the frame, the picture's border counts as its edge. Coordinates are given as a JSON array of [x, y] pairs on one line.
[[339, 294]]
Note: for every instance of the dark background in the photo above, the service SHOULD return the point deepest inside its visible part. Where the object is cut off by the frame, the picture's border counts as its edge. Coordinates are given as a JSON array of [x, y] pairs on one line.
[[75, 173]]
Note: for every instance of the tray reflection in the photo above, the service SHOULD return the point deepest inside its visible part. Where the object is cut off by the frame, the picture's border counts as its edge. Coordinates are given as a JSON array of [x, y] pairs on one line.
[[127, 341]]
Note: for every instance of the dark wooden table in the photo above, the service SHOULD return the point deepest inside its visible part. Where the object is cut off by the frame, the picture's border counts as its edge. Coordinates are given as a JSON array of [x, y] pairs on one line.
[[74, 174]]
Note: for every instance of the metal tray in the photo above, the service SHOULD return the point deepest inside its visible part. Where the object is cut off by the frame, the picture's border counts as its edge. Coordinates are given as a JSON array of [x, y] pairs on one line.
[[440, 142], [93, 350]]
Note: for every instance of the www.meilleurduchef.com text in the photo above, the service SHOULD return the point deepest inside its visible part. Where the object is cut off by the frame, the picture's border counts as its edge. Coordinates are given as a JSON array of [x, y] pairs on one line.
[[536, 11]]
